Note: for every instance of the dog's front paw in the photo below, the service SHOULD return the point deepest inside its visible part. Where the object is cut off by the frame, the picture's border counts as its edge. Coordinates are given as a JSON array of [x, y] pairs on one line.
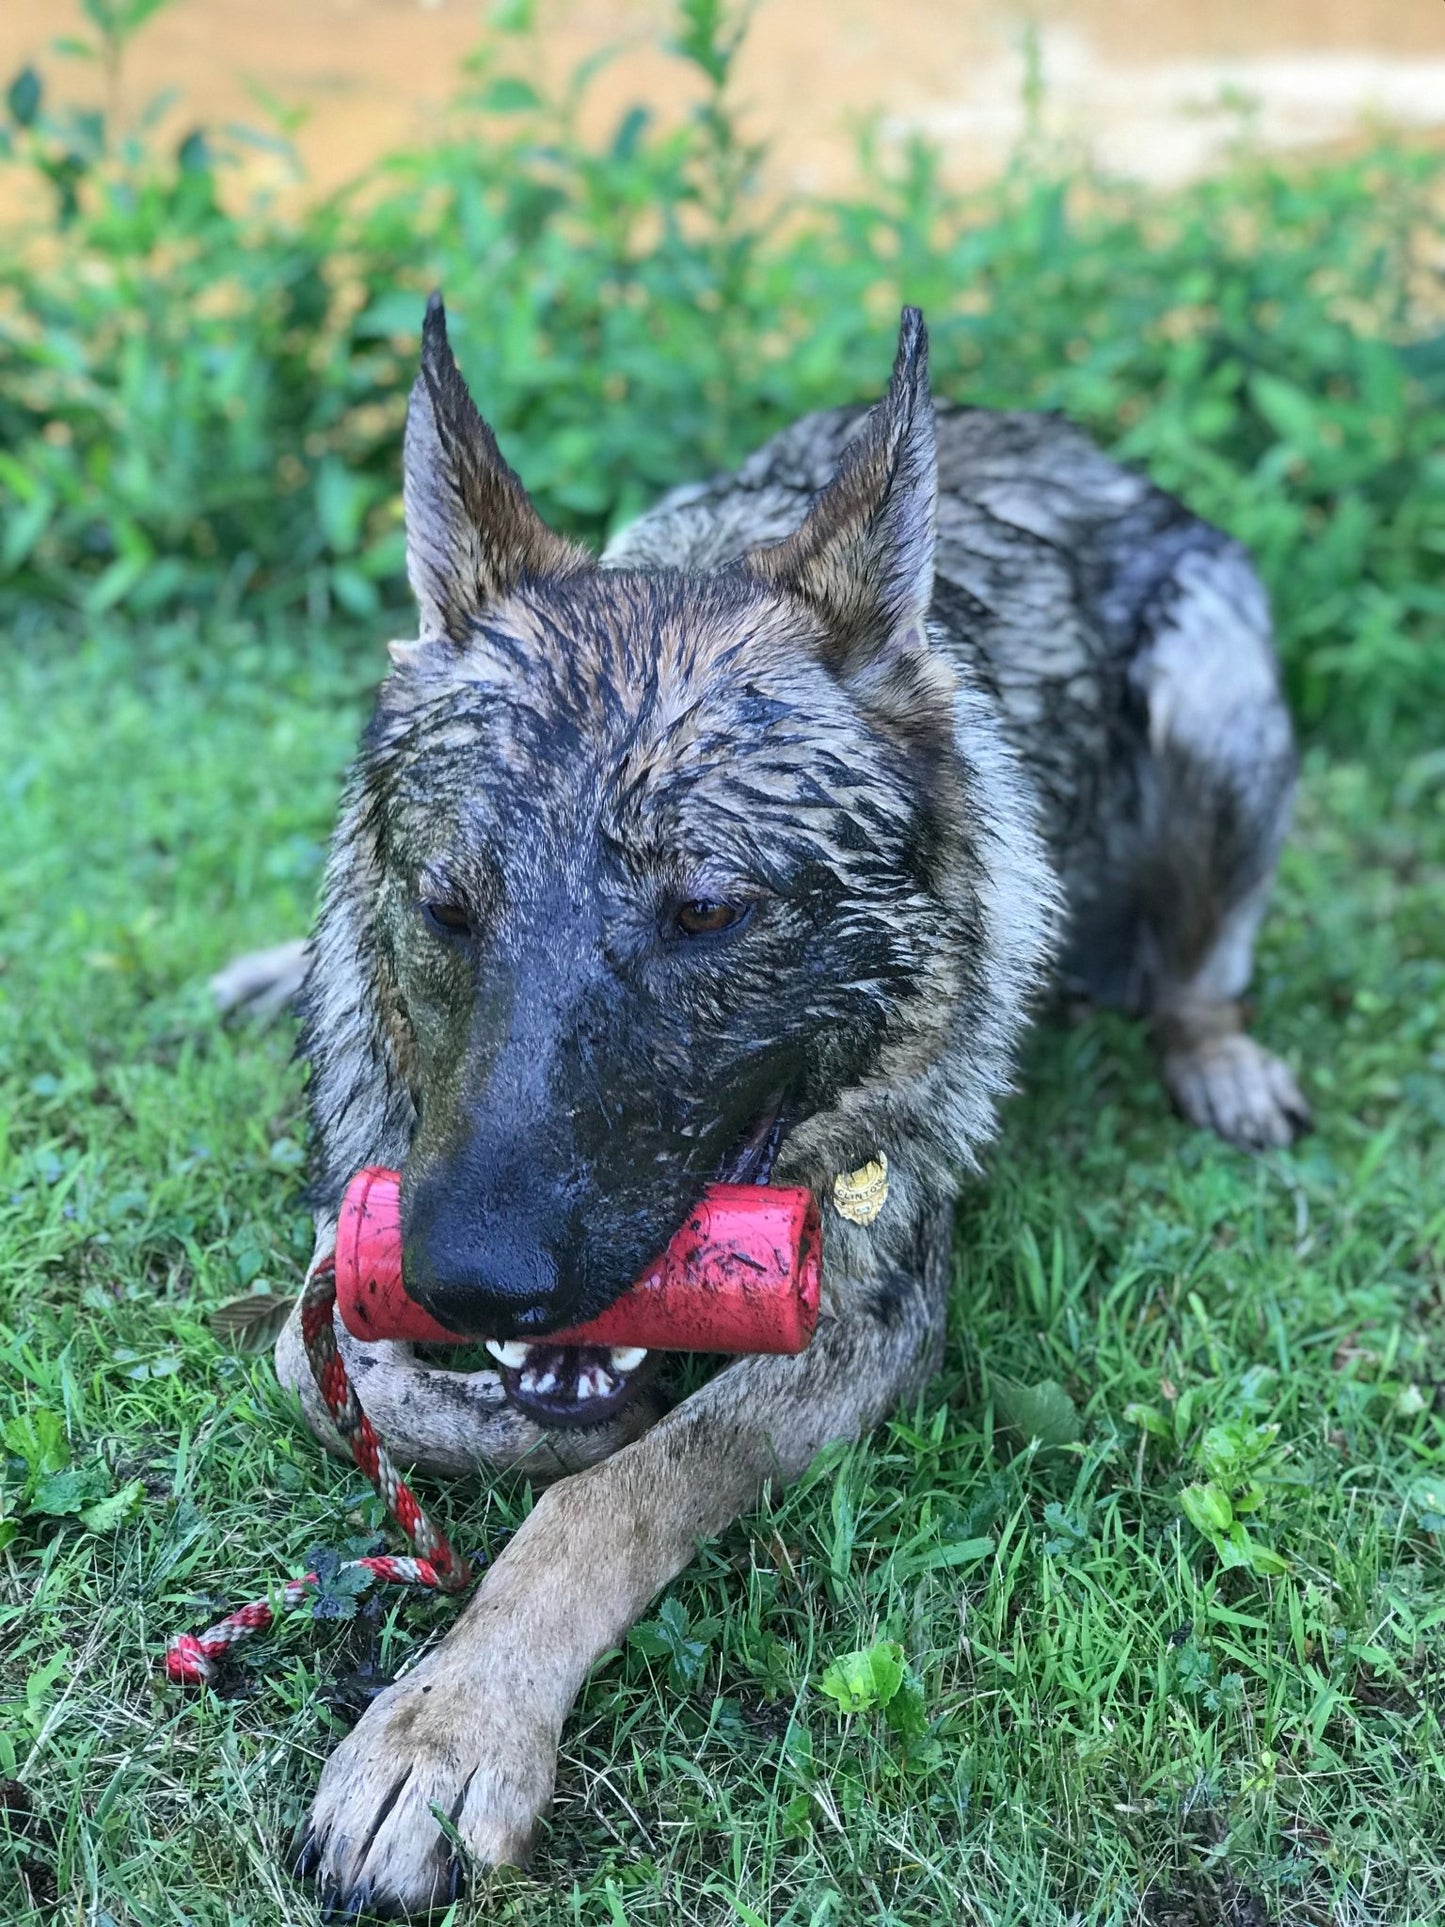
[[441, 1757]]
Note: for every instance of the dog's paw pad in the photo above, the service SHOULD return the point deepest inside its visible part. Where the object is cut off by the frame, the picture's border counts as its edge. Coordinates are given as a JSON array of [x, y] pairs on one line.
[[1234, 1086]]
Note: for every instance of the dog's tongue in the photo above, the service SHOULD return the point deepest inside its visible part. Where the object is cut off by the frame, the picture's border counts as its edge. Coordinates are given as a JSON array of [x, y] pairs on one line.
[[559, 1385]]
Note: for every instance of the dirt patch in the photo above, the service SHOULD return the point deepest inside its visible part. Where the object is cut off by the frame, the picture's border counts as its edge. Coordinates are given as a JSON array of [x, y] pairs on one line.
[[30, 1838], [1141, 85], [1207, 1900]]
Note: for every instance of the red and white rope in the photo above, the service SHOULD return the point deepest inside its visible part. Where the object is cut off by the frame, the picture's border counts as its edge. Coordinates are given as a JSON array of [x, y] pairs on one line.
[[191, 1657]]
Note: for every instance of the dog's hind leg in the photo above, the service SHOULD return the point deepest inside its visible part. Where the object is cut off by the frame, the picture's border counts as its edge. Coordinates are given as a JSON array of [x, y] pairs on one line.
[[1217, 786], [1220, 1076], [261, 983], [471, 1732]]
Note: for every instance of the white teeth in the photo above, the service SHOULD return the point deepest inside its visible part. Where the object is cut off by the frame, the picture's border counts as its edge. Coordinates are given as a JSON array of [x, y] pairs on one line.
[[593, 1381]]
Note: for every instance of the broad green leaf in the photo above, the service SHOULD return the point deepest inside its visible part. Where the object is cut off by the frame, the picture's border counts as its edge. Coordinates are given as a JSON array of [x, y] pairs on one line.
[[106, 1514], [1042, 1412], [23, 97], [865, 1679], [906, 1712], [1149, 1419], [939, 1558], [1426, 1499], [38, 1437], [65, 1494], [342, 499], [1207, 1508], [40, 1686], [1291, 413], [509, 94], [355, 592]]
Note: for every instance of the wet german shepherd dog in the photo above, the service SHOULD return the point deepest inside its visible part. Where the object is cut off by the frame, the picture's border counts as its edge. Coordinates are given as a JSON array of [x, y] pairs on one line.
[[743, 850]]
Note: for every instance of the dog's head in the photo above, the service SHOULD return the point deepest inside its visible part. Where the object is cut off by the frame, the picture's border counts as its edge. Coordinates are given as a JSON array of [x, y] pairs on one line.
[[645, 870]]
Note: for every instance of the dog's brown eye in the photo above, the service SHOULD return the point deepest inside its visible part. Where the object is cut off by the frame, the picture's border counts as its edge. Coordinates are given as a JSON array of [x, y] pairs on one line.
[[706, 916], [446, 919]]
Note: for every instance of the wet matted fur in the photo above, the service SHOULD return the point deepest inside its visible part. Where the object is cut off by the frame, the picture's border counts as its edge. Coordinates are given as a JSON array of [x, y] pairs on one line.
[[754, 842]]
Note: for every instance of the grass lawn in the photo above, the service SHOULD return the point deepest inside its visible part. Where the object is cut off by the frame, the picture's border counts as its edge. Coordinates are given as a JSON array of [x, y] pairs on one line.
[[1117, 1724]]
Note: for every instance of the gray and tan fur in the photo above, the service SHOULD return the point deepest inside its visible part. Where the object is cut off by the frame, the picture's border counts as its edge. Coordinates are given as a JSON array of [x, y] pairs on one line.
[[764, 832]]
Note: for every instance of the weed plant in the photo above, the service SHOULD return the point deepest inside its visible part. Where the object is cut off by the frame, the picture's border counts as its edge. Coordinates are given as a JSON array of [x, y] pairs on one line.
[[200, 405]]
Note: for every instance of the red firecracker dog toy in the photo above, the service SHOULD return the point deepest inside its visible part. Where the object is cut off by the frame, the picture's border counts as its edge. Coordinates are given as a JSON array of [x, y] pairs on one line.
[[740, 1276]]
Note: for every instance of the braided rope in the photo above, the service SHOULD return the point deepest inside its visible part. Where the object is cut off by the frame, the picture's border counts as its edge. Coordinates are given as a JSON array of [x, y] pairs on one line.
[[191, 1657]]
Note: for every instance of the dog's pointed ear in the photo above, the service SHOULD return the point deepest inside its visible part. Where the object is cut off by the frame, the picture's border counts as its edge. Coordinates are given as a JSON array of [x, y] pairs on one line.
[[863, 558], [472, 534]]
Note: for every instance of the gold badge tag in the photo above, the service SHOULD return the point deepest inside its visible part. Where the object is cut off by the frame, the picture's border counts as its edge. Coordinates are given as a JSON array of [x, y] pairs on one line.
[[860, 1195]]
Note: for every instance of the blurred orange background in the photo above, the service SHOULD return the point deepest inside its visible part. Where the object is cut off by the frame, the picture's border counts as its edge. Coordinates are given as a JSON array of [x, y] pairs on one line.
[[1141, 85]]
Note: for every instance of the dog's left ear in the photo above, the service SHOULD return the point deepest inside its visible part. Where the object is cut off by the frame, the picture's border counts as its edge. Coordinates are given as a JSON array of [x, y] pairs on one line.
[[472, 534], [863, 558]]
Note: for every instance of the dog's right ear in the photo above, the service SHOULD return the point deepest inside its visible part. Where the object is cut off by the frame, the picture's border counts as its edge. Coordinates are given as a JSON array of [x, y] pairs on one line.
[[472, 534]]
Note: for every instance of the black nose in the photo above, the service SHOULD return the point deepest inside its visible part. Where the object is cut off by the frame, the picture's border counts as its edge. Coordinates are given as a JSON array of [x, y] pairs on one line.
[[479, 1272]]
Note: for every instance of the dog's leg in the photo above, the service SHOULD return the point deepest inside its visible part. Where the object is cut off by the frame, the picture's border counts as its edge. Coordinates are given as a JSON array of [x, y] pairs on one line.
[[1218, 1075], [1216, 1072], [261, 983], [471, 1732], [1217, 791]]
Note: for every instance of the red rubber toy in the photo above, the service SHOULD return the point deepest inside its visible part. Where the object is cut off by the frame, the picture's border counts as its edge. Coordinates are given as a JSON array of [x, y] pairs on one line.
[[742, 1275]]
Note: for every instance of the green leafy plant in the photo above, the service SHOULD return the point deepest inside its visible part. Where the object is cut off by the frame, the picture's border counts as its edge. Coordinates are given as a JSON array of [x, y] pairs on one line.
[[1426, 1501], [204, 404], [1243, 1464], [41, 1484], [28, 1712], [878, 1679], [1042, 1414], [1198, 1678], [340, 1583], [686, 1646]]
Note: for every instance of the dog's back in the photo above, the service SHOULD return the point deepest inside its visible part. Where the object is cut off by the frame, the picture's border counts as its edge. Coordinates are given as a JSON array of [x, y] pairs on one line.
[[1125, 642]]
